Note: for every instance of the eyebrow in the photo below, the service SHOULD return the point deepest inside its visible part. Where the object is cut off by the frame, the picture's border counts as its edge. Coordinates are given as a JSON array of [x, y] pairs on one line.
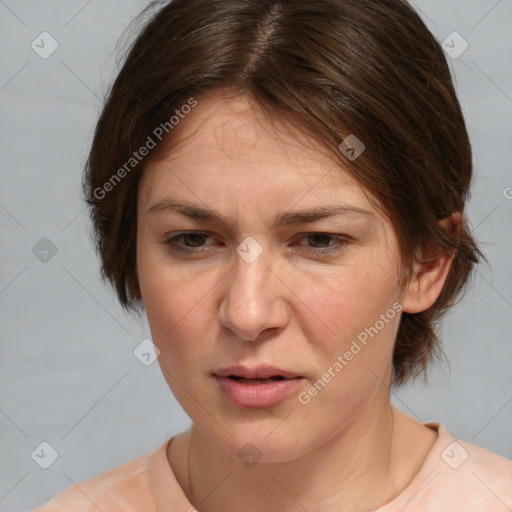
[[284, 219]]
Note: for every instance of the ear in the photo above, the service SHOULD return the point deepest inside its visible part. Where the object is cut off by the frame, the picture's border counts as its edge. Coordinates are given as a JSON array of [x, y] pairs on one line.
[[430, 272]]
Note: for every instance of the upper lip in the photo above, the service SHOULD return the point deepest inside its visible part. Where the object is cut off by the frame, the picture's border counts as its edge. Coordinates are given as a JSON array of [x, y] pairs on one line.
[[260, 372]]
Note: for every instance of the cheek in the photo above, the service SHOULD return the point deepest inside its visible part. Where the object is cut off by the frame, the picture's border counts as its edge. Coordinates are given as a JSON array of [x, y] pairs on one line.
[[176, 307], [341, 305], [180, 324], [350, 323]]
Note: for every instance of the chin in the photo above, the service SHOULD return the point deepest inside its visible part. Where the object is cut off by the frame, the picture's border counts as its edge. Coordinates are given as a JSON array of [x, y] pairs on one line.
[[262, 443]]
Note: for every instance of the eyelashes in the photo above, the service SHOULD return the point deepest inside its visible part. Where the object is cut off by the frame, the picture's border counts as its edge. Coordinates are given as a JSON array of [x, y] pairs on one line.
[[195, 236], [322, 242], [194, 243]]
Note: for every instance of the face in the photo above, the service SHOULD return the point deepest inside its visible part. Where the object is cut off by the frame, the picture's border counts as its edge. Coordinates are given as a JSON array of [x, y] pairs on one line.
[[254, 248]]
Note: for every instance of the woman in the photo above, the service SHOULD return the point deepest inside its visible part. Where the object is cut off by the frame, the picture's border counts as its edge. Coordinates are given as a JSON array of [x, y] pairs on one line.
[[280, 186]]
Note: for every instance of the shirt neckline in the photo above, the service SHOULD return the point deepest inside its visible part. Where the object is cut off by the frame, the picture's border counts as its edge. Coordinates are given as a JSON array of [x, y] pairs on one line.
[[169, 495], [166, 490], [427, 472]]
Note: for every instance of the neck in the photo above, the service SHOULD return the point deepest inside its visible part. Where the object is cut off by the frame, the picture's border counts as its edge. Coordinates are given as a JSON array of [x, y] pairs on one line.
[[381, 450]]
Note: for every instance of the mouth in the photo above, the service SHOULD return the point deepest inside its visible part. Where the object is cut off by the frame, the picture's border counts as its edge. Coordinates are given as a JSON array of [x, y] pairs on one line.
[[256, 375], [244, 380], [257, 387]]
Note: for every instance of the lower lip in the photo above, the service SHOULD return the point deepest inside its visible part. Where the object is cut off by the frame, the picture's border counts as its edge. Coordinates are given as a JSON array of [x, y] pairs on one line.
[[257, 395]]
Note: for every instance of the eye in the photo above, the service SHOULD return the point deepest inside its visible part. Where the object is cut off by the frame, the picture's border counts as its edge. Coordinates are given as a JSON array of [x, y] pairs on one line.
[[187, 241], [195, 242], [322, 243]]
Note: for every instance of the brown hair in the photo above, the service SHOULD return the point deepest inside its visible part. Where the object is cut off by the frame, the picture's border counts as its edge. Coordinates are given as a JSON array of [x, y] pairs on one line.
[[335, 67]]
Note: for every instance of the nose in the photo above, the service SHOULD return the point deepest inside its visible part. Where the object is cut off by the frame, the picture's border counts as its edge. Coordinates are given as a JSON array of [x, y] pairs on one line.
[[254, 302]]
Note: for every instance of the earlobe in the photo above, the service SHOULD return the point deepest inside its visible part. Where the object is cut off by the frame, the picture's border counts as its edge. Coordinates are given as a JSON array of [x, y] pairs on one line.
[[429, 274]]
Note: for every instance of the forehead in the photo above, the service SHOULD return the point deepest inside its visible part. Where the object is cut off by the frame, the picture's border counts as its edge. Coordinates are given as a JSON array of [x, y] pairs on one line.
[[226, 145]]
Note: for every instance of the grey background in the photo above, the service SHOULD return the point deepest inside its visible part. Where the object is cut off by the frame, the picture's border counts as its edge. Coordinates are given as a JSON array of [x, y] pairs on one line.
[[67, 369]]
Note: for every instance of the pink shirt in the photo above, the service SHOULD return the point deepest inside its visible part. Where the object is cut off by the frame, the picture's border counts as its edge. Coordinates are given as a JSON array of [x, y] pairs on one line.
[[455, 476]]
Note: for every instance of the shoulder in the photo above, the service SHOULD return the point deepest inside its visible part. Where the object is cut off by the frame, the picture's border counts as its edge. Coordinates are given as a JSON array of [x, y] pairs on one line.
[[469, 475], [124, 488], [488, 471]]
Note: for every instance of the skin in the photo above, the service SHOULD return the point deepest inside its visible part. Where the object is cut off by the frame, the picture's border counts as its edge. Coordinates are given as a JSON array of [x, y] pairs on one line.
[[291, 308]]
